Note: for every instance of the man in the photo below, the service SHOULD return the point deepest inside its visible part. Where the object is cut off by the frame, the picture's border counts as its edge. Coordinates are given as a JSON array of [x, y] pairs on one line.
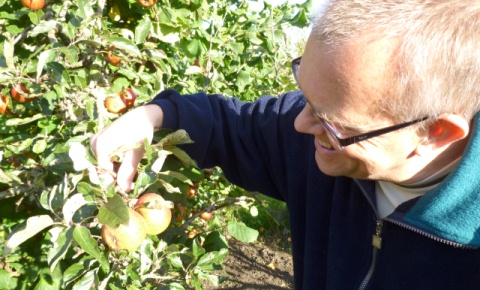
[[389, 90]]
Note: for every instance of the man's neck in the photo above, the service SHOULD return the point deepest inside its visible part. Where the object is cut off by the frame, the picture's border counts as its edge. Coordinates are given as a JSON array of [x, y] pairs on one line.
[[431, 165]]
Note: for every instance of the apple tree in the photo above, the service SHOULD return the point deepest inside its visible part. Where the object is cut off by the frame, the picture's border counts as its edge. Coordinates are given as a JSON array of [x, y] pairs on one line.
[[67, 70]]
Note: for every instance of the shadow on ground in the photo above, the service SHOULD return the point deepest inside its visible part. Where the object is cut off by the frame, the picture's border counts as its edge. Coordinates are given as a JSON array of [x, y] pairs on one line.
[[255, 266]]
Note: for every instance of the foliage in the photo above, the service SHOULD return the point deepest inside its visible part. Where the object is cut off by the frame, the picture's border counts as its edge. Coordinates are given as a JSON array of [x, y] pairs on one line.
[[52, 198]]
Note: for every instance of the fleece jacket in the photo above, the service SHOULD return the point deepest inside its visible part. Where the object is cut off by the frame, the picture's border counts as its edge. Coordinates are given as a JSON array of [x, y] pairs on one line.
[[338, 240]]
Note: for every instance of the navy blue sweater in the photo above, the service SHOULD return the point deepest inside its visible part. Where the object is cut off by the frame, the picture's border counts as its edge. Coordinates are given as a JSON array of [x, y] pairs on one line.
[[333, 219]]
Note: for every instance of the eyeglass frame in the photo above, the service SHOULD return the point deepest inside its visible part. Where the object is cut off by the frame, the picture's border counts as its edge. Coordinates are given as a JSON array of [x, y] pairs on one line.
[[335, 136]]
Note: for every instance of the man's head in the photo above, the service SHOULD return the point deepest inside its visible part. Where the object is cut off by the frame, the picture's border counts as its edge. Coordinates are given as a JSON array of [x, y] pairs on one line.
[[372, 64]]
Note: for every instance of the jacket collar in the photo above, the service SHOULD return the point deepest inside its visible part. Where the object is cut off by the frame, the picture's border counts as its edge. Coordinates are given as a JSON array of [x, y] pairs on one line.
[[452, 209]]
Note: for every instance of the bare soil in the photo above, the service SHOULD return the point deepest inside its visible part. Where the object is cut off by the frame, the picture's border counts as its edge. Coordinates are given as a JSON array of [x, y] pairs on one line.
[[256, 266]]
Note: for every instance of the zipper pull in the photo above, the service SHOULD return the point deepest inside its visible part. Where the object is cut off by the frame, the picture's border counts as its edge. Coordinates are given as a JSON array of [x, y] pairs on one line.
[[376, 238]]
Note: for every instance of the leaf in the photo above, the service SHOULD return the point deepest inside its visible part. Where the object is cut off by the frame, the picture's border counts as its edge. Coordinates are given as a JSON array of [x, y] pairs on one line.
[[175, 286], [23, 121], [177, 175], [193, 70], [43, 284], [176, 138], [141, 31], [75, 271], [241, 232], [253, 211], [243, 79], [215, 241], [158, 163], [39, 146], [43, 27], [45, 57], [125, 44], [175, 261], [6, 281], [170, 38], [169, 188], [197, 249], [72, 204], [31, 227], [83, 237], [114, 212], [212, 260], [60, 248], [194, 47], [186, 160], [85, 10], [8, 52], [87, 281]]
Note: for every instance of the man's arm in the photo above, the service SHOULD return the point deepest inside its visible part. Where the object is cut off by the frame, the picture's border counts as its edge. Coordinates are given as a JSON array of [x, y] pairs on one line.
[[254, 143]]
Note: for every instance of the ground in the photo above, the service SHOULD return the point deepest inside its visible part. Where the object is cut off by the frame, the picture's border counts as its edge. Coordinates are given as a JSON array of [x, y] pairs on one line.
[[256, 266]]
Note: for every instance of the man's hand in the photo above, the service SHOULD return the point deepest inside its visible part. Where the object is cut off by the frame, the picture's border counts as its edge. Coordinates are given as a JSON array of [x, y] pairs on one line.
[[125, 133]]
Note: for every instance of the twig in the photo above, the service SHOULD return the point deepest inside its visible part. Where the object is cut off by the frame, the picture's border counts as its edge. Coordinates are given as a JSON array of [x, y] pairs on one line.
[[214, 207]]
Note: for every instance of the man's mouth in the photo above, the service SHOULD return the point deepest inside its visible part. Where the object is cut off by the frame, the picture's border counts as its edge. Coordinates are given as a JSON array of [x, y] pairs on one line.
[[325, 144]]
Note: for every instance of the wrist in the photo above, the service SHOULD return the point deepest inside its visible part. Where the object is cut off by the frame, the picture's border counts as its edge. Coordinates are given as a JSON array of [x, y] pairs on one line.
[[154, 115]]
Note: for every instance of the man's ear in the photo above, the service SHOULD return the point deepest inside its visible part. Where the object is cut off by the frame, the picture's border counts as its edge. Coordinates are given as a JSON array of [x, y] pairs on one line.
[[448, 129]]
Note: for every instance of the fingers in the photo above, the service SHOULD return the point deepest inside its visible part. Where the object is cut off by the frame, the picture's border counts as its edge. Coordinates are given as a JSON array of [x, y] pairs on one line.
[[102, 152], [128, 168], [124, 133]]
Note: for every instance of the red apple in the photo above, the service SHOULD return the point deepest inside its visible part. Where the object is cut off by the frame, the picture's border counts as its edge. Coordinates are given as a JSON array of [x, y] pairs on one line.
[[17, 91], [34, 4]]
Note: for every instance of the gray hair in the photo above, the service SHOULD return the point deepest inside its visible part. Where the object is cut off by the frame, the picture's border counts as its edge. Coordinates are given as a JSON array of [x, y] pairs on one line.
[[438, 61]]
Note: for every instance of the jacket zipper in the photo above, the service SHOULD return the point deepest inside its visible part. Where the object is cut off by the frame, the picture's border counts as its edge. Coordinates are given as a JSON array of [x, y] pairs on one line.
[[429, 235], [376, 238]]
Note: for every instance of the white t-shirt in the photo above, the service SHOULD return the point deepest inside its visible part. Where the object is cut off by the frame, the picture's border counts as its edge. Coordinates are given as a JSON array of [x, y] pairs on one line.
[[390, 195]]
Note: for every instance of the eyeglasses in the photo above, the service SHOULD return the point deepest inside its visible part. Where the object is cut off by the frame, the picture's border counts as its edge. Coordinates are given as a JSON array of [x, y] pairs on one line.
[[338, 139]]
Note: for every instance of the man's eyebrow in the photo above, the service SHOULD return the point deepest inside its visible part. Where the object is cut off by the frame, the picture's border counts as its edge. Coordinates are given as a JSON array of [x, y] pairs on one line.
[[333, 119], [321, 115]]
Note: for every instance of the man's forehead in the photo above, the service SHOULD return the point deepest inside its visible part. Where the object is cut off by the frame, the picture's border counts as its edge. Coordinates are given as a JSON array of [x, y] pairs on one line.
[[337, 78]]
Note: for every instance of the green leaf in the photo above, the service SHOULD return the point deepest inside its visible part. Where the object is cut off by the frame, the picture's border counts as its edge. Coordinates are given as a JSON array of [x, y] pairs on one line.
[[88, 281], [186, 160], [76, 270], [301, 19], [125, 44], [43, 284], [84, 188], [72, 204], [243, 79], [197, 249], [215, 241], [114, 212], [175, 286], [241, 232], [212, 260], [60, 247], [43, 27], [45, 57], [39, 146], [6, 281], [23, 121], [31, 227], [175, 138], [83, 237], [175, 261], [84, 10], [177, 175], [8, 52], [141, 31], [194, 47]]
